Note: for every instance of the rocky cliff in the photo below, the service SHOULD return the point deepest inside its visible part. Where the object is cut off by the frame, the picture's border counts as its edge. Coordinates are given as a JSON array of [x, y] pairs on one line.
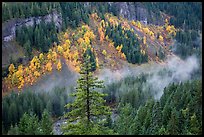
[[137, 11], [9, 28]]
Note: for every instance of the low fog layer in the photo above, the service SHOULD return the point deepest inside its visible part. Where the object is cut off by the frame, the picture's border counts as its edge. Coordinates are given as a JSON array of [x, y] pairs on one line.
[[64, 78], [181, 71]]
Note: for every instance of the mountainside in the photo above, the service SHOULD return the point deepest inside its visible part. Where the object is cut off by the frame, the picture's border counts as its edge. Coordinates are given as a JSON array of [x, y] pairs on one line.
[[108, 52], [138, 49]]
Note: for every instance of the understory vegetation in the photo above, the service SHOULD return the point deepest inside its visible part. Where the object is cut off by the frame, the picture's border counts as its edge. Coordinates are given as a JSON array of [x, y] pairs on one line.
[[137, 112]]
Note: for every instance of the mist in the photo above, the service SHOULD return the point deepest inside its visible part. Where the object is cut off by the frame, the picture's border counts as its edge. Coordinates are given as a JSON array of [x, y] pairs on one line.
[[181, 70], [65, 78], [178, 71]]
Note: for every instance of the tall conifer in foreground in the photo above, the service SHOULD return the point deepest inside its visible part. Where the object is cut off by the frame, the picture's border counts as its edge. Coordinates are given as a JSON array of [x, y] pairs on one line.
[[88, 113]]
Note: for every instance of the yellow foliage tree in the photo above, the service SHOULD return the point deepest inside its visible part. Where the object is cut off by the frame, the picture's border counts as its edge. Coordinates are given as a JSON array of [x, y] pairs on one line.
[[20, 69], [144, 40], [80, 41], [146, 30], [11, 69], [166, 23], [14, 79], [87, 40], [66, 36], [94, 16], [32, 67], [41, 57], [59, 65], [48, 66], [171, 29], [168, 28], [66, 45], [107, 37], [92, 36], [161, 38], [49, 57], [67, 42], [36, 74], [151, 33], [119, 48], [60, 49], [101, 34], [97, 64], [66, 54], [77, 68], [37, 63], [21, 84], [111, 44], [123, 56], [102, 23], [133, 23], [139, 25], [54, 56], [104, 52], [85, 27]]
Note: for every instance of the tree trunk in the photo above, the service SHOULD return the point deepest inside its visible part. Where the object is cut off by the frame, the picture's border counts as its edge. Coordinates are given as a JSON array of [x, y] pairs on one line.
[[87, 100]]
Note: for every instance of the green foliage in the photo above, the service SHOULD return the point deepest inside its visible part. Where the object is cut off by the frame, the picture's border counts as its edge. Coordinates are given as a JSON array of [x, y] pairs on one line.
[[123, 125], [129, 90], [103, 7], [88, 112], [92, 58], [172, 127], [46, 123], [188, 44], [161, 54], [186, 15], [40, 36], [27, 9], [194, 124], [129, 41], [30, 125], [14, 105], [77, 13], [179, 111]]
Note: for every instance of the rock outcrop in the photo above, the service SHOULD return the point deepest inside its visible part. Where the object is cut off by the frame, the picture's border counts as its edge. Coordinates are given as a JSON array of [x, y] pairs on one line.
[[136, 11], [9, 28]]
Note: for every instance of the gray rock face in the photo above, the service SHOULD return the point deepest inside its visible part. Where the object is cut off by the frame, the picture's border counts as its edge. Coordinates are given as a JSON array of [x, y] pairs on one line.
[[9, 29], [136, 11], [57, 127]]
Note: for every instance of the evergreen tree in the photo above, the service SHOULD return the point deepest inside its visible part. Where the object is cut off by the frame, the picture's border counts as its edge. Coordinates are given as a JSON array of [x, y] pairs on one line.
[[29, 125], [172, 126], [92, 58], [87, 113], [194, 125], [46, 123], [28, 49], [157, 119], [123, 124]]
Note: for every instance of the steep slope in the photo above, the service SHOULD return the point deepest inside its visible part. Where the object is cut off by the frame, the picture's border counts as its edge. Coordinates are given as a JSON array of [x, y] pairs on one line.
[[129, 39], [75, 42]]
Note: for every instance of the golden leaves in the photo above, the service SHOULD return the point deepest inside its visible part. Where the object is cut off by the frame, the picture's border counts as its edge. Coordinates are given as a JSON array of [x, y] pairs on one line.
[[59, 49], [104, 52], [59, 65], [161, 38], [11, 70], [48, 66]]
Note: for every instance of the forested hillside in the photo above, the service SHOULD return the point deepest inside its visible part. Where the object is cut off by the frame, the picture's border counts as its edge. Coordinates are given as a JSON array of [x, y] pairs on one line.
[[122, 68]]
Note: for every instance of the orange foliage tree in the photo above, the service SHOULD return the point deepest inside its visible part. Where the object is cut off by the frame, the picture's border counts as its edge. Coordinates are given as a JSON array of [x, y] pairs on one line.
[[59, 65]]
